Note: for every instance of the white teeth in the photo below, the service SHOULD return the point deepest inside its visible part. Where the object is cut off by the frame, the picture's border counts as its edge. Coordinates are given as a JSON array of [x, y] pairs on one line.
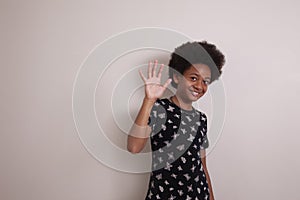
[[195, 93]]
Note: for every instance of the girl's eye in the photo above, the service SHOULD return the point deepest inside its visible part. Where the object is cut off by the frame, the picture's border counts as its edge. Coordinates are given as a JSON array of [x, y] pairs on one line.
[[206, 82], [194, 78]]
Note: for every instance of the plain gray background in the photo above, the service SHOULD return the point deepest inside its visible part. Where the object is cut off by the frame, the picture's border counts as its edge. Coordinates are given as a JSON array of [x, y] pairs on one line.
[[43, 44]]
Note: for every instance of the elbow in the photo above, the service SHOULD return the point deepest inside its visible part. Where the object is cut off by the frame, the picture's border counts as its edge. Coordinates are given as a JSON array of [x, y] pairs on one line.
[[134, 149], [135, 145]]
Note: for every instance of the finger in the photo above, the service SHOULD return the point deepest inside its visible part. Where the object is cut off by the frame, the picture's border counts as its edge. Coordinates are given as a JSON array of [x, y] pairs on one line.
[[154, 68], [150, 70], [142, 76], [160, 70], [167, 83]]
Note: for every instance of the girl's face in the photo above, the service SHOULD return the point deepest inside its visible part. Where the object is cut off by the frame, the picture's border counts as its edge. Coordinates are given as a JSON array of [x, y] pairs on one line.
[[194, 82]]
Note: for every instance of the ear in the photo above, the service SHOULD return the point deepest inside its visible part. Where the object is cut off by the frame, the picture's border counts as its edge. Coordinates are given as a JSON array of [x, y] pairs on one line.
[[176, 78]]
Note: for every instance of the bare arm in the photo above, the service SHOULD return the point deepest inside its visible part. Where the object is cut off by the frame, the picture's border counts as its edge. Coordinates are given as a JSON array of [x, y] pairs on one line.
[[140, 130], [203, 160]]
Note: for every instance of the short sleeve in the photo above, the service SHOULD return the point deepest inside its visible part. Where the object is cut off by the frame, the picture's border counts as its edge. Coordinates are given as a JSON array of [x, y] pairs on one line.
[[157, 117], [205, 141], [153, 115]]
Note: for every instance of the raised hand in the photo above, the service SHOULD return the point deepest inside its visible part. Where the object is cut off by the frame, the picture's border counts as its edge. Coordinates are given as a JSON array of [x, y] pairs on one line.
[[153, 87]]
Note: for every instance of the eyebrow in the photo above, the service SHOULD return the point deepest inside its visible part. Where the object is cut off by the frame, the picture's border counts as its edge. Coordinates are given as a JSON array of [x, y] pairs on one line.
[[193, 73]]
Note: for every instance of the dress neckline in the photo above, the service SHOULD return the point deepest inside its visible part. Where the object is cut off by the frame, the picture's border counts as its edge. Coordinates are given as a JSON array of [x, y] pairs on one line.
[[181, 109]]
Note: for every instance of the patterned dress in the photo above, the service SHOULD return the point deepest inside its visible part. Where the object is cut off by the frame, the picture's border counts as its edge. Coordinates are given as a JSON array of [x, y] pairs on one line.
[[176, 139]]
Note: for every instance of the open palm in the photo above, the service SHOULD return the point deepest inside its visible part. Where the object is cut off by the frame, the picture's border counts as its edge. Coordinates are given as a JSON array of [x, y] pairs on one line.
[[153, 87]]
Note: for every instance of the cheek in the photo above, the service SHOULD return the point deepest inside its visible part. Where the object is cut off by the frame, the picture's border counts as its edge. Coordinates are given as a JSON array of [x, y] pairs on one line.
[[184, 83], [183, 87], [188, 83], [205, 87]]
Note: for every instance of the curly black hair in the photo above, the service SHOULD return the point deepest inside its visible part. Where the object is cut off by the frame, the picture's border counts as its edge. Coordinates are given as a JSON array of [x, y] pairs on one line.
[[191, 53]]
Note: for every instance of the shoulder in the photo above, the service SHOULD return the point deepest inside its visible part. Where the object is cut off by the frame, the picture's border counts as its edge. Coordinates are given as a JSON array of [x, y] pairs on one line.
[[161, 106], [161, 102]]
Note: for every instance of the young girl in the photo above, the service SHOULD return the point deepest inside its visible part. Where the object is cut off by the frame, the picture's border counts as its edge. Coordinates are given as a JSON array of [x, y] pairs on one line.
[[178, 131]]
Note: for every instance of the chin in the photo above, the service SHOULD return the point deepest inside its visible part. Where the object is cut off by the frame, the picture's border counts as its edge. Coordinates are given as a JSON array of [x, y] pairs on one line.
[[192, 98]]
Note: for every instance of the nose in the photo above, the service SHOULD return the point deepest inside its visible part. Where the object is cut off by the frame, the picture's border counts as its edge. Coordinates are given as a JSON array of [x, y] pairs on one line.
[[199, 85]]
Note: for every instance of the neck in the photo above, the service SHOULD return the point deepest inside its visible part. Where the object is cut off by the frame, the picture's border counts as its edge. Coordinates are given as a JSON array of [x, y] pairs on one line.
[[181, 103]]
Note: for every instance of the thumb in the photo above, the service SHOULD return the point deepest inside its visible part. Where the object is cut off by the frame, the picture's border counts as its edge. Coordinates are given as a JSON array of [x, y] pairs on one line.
[[167, 83]]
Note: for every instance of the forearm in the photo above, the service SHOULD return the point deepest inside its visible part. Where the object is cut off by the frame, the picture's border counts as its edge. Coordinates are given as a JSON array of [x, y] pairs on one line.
[[144, 113], [203, 160], [140, 130], [209, 183]]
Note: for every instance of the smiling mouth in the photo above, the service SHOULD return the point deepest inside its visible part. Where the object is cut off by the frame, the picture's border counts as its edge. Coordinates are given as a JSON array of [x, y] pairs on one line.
[[195, 94]]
